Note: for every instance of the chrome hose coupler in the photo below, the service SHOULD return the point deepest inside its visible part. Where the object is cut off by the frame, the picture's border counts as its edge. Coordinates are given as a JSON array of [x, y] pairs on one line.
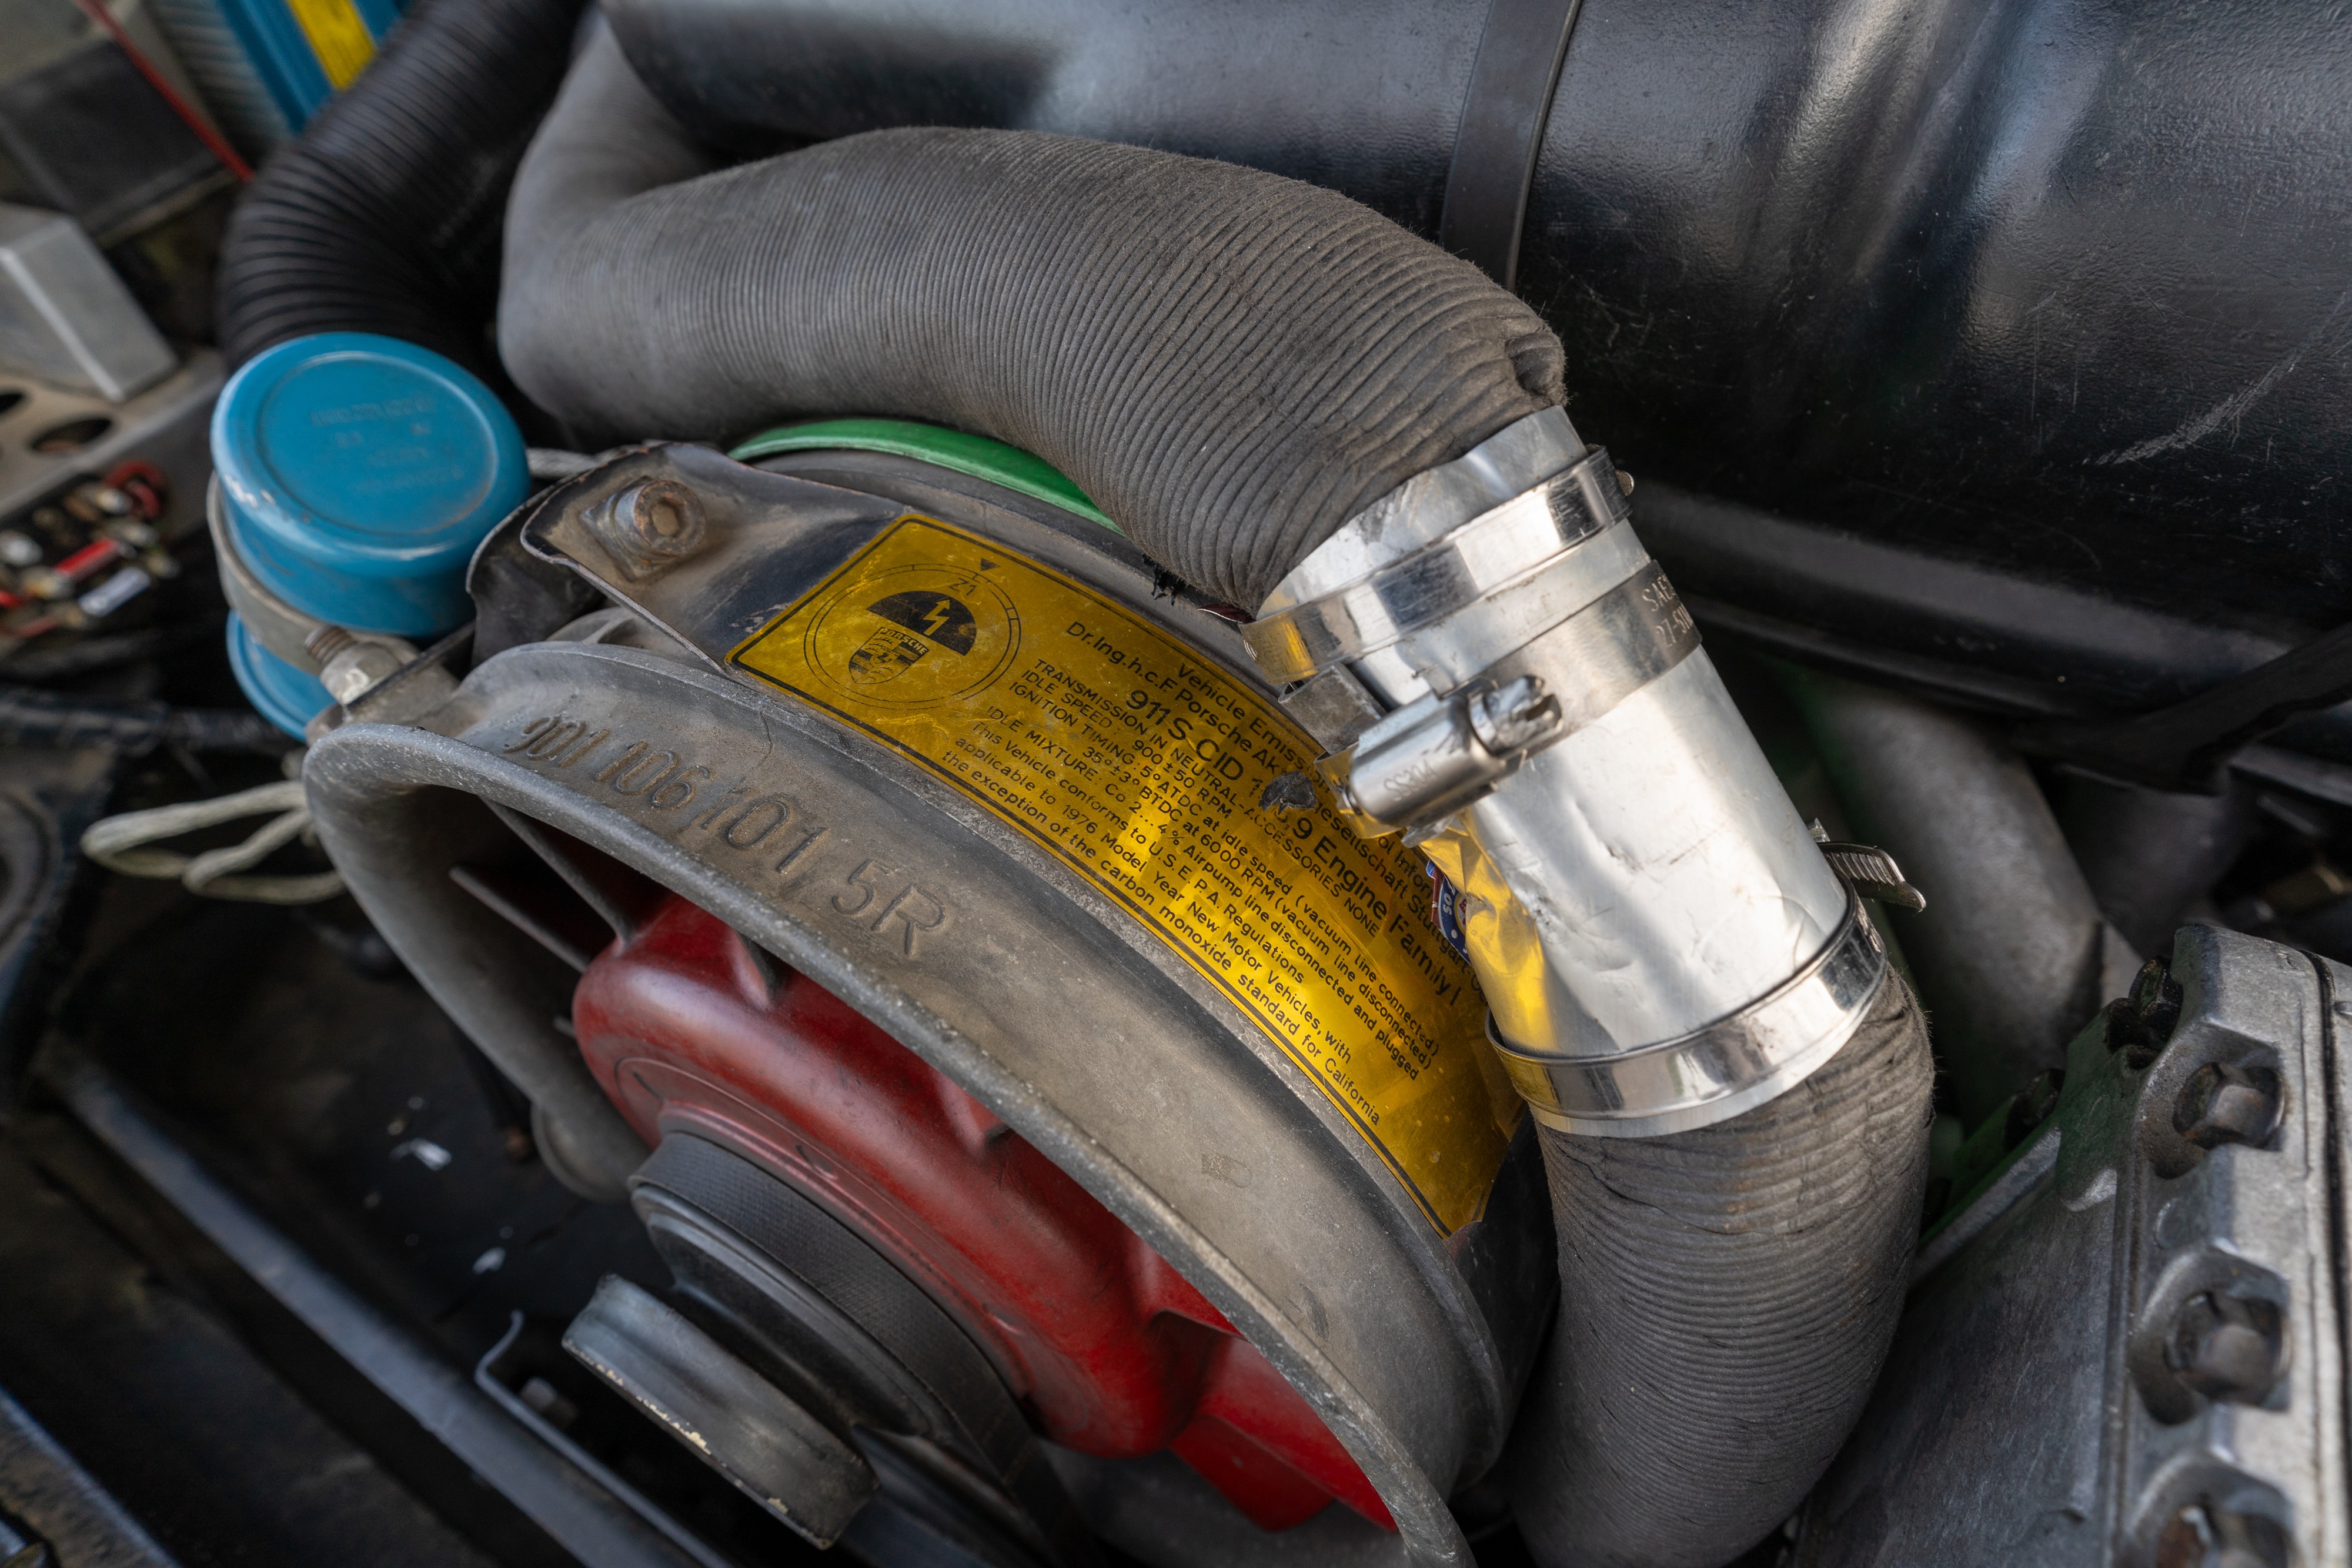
[[1498, 670]]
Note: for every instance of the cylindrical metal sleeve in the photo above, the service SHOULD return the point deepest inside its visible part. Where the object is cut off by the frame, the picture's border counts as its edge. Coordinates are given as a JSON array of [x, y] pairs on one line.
[[1229, 362], [1726, 1296]]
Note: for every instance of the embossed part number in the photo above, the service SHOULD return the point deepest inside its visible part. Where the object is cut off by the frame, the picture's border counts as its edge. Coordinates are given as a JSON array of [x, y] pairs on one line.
[[660, 780], [913, 908]]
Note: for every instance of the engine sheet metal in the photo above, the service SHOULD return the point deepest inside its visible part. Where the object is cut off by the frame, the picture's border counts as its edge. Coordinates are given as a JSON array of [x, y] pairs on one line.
[[1140, 764], [2034, 1405]]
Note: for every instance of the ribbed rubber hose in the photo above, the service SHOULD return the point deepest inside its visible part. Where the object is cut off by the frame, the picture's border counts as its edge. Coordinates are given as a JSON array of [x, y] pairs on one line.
[[1726, 1296], [385, 215], [131, 726], [1229, 362]]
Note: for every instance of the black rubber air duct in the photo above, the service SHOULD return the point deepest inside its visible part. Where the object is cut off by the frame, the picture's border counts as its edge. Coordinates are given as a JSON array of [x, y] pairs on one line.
[[385, 215], [1231, 365], [2053, 293], [1726, 1297]]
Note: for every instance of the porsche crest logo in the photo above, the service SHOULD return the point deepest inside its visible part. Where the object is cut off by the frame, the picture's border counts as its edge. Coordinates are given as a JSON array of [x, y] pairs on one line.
[[917, 623]]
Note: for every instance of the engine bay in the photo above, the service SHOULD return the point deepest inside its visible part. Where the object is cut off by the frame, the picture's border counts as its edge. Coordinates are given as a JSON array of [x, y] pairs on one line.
[[905, 785]]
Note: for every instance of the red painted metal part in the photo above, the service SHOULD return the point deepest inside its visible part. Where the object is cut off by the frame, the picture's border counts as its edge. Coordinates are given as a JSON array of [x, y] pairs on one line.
[[1112, 1351]]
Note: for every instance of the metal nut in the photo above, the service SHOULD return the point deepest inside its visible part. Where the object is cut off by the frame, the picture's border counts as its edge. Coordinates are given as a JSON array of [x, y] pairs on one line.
[[2031, 1105], [352, 664], [2140, 1023], [2228, 1105]]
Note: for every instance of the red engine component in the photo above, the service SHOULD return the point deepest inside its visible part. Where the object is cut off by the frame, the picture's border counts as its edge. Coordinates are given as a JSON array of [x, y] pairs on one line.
[[1112, 1351]]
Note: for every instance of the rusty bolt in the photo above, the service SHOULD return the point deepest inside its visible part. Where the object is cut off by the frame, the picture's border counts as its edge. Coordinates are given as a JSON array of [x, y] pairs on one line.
[[652, 525], [2229, 1347], [2227, 1104]]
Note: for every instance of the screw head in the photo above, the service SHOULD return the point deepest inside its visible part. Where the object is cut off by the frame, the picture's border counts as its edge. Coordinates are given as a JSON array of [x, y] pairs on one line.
[[2228, 1103]]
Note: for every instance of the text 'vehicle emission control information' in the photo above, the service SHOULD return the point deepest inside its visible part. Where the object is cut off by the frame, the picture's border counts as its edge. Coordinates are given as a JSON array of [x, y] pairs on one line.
[[1140, 764]]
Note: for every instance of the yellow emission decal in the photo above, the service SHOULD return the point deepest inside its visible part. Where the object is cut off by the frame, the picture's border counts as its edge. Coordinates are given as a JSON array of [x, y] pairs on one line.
[[337, 37], [1141, 765]]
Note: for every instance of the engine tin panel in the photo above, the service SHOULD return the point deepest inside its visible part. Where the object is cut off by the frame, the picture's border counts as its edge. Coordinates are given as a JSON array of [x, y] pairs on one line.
[[2046, 1399]]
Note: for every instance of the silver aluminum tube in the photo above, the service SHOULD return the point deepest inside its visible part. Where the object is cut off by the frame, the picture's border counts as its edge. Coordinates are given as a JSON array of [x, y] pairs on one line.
[[1661, 942]]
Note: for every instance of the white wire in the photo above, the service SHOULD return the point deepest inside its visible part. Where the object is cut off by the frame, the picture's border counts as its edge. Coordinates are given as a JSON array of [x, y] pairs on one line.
[[119, 843]]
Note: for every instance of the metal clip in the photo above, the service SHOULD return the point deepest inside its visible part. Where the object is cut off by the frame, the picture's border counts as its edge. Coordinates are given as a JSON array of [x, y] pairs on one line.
[[1429, 760], [1870, 871]]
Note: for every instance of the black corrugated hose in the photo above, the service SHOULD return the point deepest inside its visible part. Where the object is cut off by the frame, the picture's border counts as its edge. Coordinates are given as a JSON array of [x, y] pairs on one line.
[[1231, 364], [385, 215], [1726, 1297], [32, 718]]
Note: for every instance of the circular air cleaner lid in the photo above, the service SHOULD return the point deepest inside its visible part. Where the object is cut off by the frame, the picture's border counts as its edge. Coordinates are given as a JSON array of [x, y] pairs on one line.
[[359, 473]]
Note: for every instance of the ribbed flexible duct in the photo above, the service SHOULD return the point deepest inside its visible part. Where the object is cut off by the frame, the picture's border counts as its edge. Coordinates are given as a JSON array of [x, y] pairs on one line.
[[1726, 1296], [384, 216], [1228, 362]]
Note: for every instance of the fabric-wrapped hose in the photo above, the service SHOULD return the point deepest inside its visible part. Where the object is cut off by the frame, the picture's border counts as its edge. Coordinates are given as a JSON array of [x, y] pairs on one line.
[[1726, 1296], [385, 215], [1229, 362]]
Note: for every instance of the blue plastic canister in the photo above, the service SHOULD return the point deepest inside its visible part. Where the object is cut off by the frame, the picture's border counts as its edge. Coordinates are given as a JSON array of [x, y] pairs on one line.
[[358, 472], [286, 697]]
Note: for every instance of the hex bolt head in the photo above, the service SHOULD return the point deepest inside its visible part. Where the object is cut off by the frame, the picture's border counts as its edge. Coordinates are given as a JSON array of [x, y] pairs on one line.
[[2229, 1347], [652, 525], [2228, 1103], [665, 517]]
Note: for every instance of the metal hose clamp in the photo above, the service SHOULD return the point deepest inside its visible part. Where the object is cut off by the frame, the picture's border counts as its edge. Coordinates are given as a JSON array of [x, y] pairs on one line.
[[1491, 552], [1712, 1074], [1498, 670]]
